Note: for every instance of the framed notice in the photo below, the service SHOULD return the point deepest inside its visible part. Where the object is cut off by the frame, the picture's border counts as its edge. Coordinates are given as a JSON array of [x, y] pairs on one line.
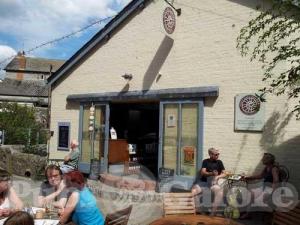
[[171, 120], [249, 113]]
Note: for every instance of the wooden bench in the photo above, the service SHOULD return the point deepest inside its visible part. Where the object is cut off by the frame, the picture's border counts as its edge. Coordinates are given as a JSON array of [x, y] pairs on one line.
[[291, 217], [179, 203]]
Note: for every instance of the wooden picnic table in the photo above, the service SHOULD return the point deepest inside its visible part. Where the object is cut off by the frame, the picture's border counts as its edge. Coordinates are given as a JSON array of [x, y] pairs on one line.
[[193, 220]]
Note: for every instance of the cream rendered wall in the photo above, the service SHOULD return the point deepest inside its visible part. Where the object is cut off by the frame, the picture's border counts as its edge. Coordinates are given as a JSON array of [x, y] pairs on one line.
[[203, 53]]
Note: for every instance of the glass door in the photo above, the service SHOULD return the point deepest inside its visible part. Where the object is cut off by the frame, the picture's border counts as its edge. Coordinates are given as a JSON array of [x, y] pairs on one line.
[[181, 125], [94, 136]]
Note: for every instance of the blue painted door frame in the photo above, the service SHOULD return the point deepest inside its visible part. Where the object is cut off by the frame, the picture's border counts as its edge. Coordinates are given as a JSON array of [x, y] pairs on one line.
[[85, 166], [185, 180]]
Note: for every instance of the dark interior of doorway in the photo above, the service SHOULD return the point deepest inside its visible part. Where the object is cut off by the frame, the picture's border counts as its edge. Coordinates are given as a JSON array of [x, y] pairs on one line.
[[138, 123]]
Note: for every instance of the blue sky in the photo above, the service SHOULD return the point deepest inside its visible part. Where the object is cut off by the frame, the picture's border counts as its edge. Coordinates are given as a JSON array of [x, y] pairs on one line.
[[29, 23]]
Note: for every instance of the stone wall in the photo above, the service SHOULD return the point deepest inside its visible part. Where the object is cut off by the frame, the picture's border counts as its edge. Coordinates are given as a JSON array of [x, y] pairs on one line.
[[18, 163]]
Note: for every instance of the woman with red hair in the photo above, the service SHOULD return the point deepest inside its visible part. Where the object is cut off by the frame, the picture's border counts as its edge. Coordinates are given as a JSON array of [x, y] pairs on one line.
[[81, 203]]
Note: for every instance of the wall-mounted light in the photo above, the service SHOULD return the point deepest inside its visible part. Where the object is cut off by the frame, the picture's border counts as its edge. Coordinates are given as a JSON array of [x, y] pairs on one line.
[[127, 77]]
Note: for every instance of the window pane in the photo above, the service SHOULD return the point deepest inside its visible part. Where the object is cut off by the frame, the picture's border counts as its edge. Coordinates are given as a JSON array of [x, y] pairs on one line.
[[188, 150], [86, 141], [170, 135], [63, 135], [99, 132]]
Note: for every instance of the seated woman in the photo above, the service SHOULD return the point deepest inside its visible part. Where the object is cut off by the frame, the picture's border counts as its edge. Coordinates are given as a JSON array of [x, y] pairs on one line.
[[81, 204], [19, 218], [270, 176], [9, 200], [53, 189]]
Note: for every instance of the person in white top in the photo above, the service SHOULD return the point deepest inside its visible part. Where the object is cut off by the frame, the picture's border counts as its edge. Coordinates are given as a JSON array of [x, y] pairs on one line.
[[71, 159], [9, 200]]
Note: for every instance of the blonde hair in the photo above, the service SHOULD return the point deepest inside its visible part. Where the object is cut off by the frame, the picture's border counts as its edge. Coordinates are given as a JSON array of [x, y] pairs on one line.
[[212, 150]]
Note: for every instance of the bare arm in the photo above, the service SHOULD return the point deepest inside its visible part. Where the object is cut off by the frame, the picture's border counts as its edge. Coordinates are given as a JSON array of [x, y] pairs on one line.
[[256, 176], [222, 174], [61, 203], [42, 200], [67, 158], [14, 199], [275, 174], [70, 206]]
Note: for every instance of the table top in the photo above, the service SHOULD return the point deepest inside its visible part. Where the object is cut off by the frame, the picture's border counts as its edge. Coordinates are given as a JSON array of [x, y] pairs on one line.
[[38, 222], [193, 220]]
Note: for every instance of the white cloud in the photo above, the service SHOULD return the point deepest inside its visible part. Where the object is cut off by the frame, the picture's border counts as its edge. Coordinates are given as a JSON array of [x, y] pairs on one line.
[[32, 22], [6, 54]]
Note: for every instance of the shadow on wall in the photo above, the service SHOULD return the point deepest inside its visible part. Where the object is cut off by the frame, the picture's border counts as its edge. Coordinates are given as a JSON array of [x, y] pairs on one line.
[[287, 152], [157, 62], [254, 4], [72, 105]]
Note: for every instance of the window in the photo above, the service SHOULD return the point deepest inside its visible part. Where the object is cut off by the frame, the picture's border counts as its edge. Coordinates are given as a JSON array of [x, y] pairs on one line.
[[180, 144], [63, 136]]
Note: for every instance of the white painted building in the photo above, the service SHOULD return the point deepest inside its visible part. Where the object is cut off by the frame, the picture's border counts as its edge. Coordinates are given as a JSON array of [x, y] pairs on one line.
[[179, 96]]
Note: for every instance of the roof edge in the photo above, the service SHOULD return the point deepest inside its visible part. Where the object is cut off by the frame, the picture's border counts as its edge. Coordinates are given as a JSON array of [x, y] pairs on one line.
[[96, 39]]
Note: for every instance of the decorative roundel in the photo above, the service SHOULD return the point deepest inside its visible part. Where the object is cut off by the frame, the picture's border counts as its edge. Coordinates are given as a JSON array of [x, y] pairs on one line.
[[250, 104], [169, 20]]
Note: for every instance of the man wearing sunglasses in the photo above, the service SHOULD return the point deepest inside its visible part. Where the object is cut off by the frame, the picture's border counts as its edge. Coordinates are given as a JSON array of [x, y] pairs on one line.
[[211, 171]]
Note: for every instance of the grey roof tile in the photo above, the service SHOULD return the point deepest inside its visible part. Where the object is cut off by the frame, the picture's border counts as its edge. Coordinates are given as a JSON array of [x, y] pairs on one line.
[[35, 64], [10, 87]]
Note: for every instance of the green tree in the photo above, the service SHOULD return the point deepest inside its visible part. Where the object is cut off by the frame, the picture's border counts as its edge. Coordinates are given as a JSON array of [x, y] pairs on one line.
[[19, 123], [273, 38]]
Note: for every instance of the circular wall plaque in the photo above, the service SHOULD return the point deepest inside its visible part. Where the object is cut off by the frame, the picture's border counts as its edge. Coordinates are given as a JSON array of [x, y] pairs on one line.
[[249, 104], [169, 20]]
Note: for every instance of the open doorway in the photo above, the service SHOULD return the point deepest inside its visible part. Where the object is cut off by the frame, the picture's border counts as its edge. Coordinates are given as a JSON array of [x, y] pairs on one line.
[[138, 124]]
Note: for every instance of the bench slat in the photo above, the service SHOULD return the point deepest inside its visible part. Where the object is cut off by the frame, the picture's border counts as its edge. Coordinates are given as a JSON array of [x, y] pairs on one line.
[[291, 217]]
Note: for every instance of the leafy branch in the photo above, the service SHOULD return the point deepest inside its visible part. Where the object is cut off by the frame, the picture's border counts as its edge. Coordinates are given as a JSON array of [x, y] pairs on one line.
[[272, 38]]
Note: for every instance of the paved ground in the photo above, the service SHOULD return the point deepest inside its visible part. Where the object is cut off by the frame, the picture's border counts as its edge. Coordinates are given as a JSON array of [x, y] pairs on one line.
[[147, 206]]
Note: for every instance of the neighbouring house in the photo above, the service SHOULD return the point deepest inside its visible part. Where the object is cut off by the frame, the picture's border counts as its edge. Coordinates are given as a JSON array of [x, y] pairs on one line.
[[171, 85], [25, 80], [22, 67], [25, 83], [25, 91]]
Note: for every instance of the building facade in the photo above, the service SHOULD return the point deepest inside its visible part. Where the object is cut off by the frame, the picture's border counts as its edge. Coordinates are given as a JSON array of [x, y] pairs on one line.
[[172, 86], [22, 67]]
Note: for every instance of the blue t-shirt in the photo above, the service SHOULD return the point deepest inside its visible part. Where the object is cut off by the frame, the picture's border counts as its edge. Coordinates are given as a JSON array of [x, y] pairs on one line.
[[86, 211]]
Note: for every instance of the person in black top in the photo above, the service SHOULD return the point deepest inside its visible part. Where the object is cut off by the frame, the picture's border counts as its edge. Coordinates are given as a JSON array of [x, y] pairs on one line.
[[211, 171], [270, 176]]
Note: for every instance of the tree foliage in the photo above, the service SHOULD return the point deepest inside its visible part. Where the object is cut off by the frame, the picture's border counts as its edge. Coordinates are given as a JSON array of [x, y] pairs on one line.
[[20, 125], [273, 38]]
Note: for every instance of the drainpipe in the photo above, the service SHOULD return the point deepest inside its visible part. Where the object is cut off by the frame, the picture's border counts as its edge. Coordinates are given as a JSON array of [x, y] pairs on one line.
[[49, 115]]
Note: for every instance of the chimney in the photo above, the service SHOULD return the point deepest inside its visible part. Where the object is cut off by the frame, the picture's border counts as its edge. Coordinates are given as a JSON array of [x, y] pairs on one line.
[[22, 65]]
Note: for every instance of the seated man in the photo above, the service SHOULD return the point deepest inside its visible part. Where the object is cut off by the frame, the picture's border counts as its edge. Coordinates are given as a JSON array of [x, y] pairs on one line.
[[53, 189], [71, 160], [211, 171]]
